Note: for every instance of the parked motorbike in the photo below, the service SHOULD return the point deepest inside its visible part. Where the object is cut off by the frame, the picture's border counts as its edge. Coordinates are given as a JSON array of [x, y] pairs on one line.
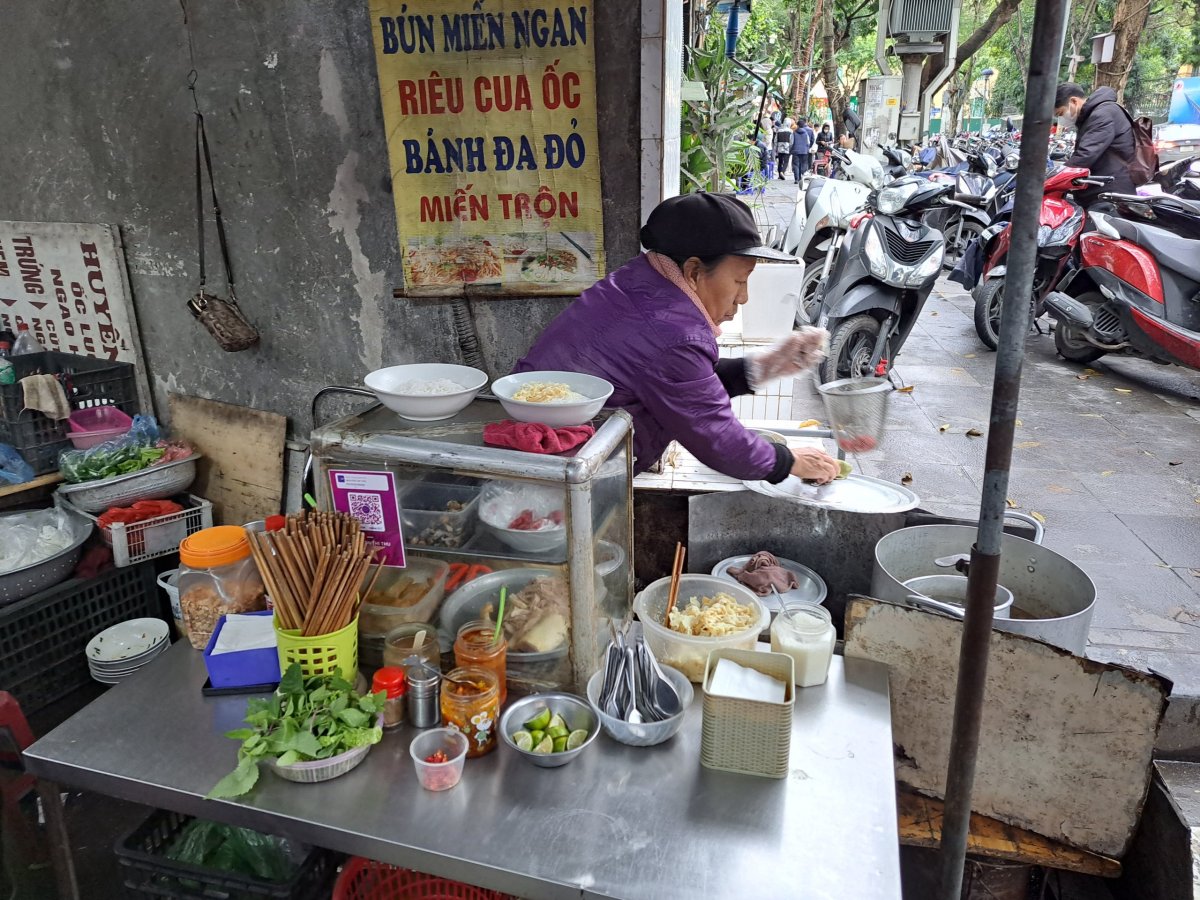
[[974, 189], [1060, 223], [883, 274], [821, 219], [1137, 288]]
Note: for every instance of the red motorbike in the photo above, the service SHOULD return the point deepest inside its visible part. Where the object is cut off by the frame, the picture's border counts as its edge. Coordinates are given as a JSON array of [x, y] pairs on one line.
[[1061, 221], [1137, 288]]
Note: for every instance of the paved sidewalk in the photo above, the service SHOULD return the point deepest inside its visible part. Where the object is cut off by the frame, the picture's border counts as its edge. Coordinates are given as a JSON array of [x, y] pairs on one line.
[[1108, 455]]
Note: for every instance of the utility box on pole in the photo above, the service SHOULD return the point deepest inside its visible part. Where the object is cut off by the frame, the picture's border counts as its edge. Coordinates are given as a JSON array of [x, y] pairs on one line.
[[920, 28]]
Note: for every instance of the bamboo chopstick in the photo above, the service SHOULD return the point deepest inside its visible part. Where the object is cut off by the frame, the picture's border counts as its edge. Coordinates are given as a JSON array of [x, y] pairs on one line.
[[676, 573]]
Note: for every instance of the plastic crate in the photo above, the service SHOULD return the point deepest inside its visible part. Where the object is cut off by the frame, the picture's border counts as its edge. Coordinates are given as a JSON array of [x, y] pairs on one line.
[[146, 872], [88, 382], [366, 879], [151, 538], [42, 638]]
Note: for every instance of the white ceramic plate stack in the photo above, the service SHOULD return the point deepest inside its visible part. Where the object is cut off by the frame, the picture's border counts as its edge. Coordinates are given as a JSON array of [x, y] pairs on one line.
[[119, 651]]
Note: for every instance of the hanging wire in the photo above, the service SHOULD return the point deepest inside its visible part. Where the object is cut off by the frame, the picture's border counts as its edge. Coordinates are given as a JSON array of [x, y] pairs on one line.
[[193, 74]]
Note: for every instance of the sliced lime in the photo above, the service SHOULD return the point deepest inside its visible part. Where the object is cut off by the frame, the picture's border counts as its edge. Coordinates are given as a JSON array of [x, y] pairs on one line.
[[576, 738], [546, 746], [523, 740], [538, 722], [556, 722], [560, 744], [557, 731], [537, 736]]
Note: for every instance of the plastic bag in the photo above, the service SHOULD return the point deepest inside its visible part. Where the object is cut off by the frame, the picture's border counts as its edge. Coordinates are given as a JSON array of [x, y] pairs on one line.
[[230, 849], [140, 447], [31, 537], [13, 468]]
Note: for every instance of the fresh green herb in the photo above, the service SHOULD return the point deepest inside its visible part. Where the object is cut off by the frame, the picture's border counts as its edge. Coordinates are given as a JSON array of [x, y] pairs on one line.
[[91, 465], [305, 719]]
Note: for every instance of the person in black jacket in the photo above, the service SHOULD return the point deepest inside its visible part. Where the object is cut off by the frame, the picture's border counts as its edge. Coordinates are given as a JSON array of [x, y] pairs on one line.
[[783, 149], [1104, 140]]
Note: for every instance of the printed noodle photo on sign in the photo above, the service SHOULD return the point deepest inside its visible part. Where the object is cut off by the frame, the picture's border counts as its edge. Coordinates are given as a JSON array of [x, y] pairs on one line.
[[489, 108]]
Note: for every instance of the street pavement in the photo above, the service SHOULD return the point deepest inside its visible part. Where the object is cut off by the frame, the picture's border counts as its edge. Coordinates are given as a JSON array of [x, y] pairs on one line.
[[1108, 455]]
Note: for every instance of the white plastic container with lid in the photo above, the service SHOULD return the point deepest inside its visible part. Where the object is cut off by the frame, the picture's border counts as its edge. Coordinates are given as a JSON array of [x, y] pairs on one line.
[[218, 576], [805, 632]]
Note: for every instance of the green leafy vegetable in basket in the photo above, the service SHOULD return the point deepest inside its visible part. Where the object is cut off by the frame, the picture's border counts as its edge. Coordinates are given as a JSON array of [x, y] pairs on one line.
[[227, 848], [305, 719], [100, 462]]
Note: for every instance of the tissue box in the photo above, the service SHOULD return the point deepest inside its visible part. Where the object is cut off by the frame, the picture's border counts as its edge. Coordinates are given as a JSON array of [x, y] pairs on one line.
[[240, 668], [751, 737]]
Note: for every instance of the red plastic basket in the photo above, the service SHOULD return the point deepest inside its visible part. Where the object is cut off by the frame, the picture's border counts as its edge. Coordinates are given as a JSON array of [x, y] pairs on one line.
[[366, 879]]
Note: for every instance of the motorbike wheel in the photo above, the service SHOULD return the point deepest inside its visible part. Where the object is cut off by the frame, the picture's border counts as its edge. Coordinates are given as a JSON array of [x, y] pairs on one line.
[[807, 308], [957, 245], [1070, 346], [850, 349], [989, 301]]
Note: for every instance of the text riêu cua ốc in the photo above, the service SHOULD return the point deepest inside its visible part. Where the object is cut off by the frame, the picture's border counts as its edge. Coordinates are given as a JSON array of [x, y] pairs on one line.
[[475, 31]]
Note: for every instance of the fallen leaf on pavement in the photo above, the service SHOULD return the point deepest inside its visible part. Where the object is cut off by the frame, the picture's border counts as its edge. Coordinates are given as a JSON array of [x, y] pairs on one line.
[[906, 478], [968, 356], [1018, 423], [974, 432], [1123, 390], [1026, 445], [1082, 377], [1195, 572], [943, 428], [934, 313], [1175, 462], [907, 389], [1107, 473], [1012, 504], [808, 423], [1039, 517], [1090, 371]]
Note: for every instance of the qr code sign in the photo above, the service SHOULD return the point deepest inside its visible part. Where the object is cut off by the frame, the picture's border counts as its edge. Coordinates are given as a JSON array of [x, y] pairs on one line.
[[368, 509]]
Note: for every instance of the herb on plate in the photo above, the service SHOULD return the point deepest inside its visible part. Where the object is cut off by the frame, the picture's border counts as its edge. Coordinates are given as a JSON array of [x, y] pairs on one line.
[[305, 719]]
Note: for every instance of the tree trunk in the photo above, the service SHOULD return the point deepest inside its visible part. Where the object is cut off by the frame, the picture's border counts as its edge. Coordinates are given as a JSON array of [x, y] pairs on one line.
[[805, 55], [952, 102], [997, 19], [829, 76], [1129, 19], [1080, 31]]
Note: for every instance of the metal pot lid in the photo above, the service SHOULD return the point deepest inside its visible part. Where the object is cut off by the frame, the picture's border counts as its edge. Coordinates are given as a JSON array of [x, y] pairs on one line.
[[811, 589], [854, 494]]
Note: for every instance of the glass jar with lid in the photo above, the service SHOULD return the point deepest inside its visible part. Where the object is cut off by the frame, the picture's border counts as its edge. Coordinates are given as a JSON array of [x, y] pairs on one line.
[[805, 632], [400, 647], [218, 576], [476, 645], [471, 703]]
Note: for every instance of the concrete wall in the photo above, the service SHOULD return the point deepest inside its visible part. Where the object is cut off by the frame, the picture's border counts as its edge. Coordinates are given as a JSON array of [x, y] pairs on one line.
[[96, 125]]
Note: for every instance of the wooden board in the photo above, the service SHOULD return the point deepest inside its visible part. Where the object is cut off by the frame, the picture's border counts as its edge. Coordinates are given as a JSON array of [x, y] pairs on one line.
[[1066, 743], [921, 826], [242, 469], [9, 490]]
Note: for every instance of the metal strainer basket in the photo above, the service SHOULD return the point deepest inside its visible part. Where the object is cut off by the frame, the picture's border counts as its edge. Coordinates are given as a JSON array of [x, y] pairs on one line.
[[857, 409]]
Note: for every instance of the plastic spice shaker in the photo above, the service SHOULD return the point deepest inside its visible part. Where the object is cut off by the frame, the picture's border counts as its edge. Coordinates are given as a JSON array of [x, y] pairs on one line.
[[393, 682]]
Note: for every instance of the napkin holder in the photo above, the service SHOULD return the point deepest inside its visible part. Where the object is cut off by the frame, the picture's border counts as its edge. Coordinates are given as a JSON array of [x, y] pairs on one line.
[[750, 737], [240, 668]]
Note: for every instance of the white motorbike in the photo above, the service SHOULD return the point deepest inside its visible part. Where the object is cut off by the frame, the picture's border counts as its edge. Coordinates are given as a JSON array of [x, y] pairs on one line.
[[821, 219]]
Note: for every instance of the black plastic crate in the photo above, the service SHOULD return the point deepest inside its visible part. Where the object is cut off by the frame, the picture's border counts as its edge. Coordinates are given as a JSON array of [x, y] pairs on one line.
[[87, 382], [146, 872], [43, 637]]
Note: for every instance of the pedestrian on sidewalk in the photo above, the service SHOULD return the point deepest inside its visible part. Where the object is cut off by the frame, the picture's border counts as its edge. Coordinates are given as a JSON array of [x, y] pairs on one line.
[[783, 149], [1104, 142], [802, 144]]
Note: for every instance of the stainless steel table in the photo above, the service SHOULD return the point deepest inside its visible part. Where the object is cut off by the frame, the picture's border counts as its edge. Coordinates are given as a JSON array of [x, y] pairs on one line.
[[617, 822]]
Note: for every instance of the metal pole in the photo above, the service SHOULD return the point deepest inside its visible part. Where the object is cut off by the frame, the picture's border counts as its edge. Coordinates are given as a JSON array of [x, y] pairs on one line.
[[1049, 26]]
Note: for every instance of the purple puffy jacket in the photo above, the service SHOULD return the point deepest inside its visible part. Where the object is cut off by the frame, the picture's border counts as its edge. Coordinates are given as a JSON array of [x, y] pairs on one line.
[[641, 333]]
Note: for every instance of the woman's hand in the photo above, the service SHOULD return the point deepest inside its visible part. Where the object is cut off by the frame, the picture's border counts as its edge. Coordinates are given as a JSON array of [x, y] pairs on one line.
[[799, 351], [812, 464]]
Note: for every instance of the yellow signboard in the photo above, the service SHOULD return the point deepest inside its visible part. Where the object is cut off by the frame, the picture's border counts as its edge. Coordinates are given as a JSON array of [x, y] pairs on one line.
[[490, 111]]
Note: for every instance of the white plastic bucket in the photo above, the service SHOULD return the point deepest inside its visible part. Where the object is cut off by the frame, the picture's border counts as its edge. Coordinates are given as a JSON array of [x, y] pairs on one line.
[[774, 290], [169, 582]]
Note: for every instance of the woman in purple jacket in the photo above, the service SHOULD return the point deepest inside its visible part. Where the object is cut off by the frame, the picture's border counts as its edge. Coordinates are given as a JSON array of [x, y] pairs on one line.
[[650, 329]]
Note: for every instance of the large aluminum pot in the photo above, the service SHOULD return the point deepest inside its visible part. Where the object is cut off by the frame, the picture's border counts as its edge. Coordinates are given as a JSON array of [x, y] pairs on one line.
[[1052, 597]]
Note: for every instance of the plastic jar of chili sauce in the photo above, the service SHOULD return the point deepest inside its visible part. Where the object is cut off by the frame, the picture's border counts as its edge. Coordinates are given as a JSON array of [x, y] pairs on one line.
[[471, 703], [394, 684], [475, 646]]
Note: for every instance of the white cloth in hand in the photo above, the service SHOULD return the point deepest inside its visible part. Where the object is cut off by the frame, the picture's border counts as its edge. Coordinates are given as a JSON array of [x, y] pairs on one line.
[[799, 351]]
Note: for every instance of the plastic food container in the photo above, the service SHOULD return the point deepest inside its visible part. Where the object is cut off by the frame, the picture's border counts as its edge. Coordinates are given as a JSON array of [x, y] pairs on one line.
[[217, 576], [439, 776], [438, 515], [685, 652], [95, 425], [409, 594]]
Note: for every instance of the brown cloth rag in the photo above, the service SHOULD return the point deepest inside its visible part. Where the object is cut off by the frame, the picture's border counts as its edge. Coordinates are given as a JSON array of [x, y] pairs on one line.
[[763, 572], [46, 395]]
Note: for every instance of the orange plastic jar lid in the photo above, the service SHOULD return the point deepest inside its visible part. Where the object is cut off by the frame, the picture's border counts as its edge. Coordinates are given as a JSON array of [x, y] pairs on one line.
[[212, 547]]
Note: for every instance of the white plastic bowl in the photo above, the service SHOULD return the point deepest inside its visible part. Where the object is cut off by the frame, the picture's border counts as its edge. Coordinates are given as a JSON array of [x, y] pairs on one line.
[[425, 407], [501, 502], [685, 652], [644, 734], [557, 414]]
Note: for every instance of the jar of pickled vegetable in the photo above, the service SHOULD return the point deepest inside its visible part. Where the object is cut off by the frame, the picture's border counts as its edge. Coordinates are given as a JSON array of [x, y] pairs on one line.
[[471, 703], [475, 647]]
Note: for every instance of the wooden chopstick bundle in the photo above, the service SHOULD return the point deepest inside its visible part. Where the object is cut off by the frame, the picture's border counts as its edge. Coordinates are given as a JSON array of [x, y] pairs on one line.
[[314, 568], [676, 574]]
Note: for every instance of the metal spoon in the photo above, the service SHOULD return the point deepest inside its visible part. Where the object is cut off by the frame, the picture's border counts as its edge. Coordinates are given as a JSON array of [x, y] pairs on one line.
[[632, 715], [666, 697]]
